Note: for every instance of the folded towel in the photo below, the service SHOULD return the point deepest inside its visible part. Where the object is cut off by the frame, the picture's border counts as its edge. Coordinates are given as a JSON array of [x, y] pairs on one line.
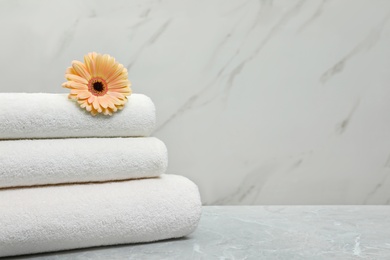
[[51, 161], [51, 218], [41, 115]]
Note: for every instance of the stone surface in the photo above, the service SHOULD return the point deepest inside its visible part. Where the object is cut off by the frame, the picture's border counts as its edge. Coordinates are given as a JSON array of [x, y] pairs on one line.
[[259, 102], [265, 232]]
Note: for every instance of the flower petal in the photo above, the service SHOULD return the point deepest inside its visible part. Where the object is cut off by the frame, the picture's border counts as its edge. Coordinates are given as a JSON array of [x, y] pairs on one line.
[[110, 101], [124, 90], [116, 74], [84, 95], [88, 107], [99, 65], [70, 70], [96, 103], [100, 109], [102, 101], [74, 85], [89, 64], [106, 111], [91, 99], [105, 66], [122, 75], [76, 78], [119, 84], [74, 91], [115, 100], [72, 96], [116, 94], [111, 66], [94, 112], [83, 103], [81, 70]]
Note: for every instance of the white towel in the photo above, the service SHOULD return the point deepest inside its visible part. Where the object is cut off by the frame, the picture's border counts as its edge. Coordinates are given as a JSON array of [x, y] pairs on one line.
[[41, 115], [52, 218], [51, 161]]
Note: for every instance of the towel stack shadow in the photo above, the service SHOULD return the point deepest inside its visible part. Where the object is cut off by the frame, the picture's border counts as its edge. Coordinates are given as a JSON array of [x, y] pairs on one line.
[[69, 180]]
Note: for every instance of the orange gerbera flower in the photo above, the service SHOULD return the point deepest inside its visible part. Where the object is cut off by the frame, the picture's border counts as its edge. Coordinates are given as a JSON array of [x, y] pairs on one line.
[[100, 84]]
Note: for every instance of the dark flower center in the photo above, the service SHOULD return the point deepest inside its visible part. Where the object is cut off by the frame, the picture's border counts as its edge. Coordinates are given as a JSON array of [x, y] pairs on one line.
[[98, 86]]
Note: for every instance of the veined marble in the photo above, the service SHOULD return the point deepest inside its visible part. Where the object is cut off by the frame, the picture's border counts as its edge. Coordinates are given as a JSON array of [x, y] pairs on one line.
[[259, 102]]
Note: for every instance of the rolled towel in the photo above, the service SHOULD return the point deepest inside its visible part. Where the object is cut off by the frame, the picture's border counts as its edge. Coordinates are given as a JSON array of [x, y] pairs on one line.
[[52, 218], [51, 161], [42, 115]]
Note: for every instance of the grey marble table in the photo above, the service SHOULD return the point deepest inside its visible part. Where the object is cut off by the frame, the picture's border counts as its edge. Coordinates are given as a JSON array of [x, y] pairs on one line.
[[265, 232]]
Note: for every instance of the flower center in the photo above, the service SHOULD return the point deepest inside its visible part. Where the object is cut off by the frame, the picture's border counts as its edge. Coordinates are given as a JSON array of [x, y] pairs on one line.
[[97, 86]]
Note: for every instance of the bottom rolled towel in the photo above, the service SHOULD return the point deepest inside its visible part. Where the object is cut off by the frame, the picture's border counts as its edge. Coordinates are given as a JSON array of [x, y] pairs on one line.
[[52, 218]]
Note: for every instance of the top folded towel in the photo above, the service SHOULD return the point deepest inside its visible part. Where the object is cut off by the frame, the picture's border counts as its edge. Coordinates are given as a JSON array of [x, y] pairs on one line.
[[42, 115]]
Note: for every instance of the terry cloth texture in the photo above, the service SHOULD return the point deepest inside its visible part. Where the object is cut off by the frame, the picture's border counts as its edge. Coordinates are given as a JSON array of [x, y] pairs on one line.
[[52, 218], [53, 161], [42, 115]]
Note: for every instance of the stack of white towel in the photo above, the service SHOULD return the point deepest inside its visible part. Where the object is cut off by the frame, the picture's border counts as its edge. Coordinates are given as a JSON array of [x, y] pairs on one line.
[[69, 180]]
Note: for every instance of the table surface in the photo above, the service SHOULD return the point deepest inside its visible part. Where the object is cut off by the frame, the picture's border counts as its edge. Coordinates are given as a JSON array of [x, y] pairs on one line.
[[264, 232]]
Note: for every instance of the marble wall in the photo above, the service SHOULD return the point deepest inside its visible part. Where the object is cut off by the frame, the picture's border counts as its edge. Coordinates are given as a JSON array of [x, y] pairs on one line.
[[259, 102]]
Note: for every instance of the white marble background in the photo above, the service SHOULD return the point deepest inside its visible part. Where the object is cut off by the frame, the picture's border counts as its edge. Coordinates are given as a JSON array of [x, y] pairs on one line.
[[259, 102]]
